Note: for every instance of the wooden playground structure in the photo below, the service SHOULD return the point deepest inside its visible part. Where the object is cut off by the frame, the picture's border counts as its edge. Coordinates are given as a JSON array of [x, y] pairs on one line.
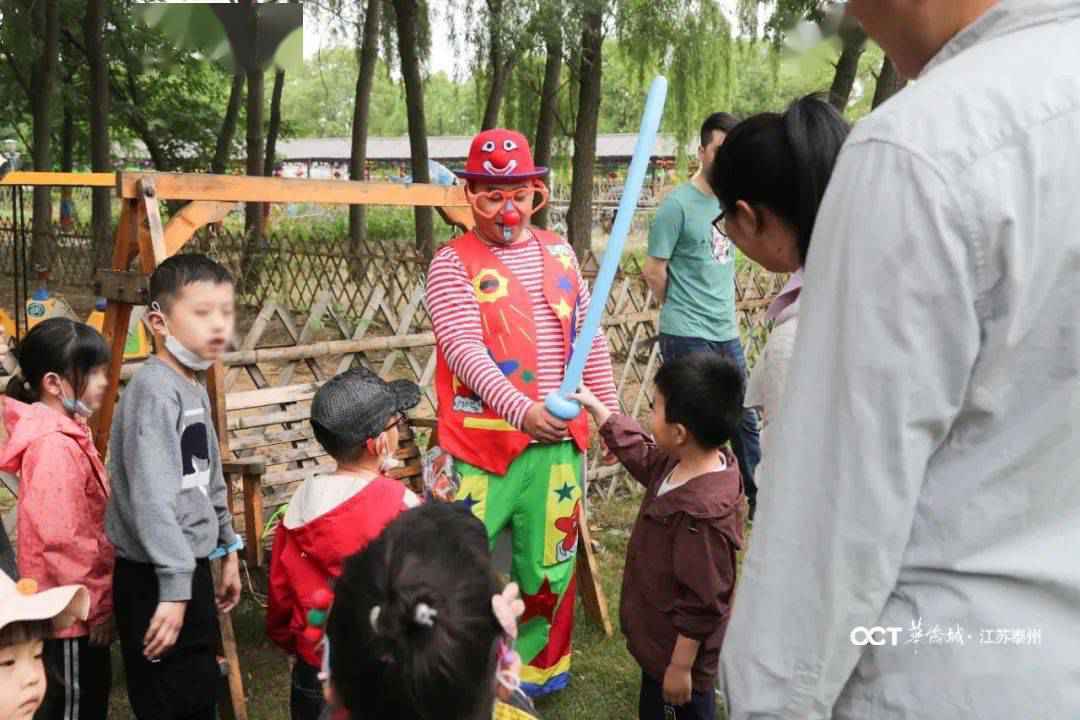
[[142, 235]]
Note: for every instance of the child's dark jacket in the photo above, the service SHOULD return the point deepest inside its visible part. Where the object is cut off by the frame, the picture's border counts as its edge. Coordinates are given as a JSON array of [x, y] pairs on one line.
[[680, 565]]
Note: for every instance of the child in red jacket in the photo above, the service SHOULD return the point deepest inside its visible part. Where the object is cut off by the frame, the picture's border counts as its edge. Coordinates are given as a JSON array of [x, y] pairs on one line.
[[680, 564], [354, 417], [63, 491]]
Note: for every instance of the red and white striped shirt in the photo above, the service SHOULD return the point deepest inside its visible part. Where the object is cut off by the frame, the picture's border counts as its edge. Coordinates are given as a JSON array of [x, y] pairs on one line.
[[455, 317]]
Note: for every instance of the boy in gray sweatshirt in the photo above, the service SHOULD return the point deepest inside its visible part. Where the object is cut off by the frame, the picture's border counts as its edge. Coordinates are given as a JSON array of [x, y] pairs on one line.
[[168, 509]]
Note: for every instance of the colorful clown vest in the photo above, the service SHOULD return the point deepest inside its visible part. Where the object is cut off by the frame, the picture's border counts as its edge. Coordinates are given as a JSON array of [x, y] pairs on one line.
[[468, 429]]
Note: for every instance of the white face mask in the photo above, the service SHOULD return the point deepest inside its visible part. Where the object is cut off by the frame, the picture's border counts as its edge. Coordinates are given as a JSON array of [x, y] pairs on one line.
[[77, 407], [187, 358], [73, 406], [388, 462]]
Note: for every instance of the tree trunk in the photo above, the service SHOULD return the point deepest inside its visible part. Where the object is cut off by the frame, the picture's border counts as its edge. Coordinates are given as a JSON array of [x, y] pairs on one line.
[[100, 152], [889, 82], [254, 224], [275, 123], [408, 45], [67, 139], [579, 215], [365, 80], [853, 40], [549, 105], [228, 126], [500, 65], [47, 23], [254, 221]]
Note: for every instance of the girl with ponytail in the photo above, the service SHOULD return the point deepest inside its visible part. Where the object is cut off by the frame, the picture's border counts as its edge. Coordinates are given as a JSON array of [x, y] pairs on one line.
[[63, 491], [419, 628], [770, 176]]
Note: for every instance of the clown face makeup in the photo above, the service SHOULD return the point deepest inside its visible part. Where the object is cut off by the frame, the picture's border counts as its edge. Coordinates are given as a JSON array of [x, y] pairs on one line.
[[503, 184], [502, 212]]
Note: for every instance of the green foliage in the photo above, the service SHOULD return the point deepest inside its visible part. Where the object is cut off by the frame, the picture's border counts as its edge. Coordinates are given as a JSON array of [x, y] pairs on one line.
[[768, 81], [322, 228], [318, 100], [690, 42]]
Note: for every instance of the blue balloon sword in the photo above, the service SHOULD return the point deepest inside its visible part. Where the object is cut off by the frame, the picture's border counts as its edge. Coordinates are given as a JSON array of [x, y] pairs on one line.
[[557, 403]]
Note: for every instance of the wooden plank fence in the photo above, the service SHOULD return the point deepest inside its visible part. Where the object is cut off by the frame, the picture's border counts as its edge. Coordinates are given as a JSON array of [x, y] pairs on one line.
[[315, 308], [380, 319]]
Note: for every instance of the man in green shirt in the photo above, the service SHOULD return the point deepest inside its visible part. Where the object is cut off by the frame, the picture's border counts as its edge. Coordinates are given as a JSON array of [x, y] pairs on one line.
[[691, 271]]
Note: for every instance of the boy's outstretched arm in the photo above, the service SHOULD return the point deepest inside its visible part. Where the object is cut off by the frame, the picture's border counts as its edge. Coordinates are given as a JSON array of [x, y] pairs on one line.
[[624, 437]]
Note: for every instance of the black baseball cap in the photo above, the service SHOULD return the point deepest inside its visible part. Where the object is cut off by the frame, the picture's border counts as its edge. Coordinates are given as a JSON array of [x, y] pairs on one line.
[[356, 405]]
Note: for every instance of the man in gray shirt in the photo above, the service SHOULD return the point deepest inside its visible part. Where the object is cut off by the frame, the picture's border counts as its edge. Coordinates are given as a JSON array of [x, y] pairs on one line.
[[916, 556]]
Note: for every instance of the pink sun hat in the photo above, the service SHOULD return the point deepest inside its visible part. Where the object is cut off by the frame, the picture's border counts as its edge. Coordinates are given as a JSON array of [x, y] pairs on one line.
[[21, 602]]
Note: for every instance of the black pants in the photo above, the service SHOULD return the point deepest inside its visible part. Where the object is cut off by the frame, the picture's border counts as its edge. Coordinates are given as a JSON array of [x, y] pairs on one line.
[[78, 680], [306, 700], [183, 684], [651, 705]]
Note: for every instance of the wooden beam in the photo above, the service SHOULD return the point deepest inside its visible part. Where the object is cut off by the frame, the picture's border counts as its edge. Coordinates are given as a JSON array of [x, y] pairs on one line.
[[60, 179], [117, 315], [154, 252], [460, 217], [241, 188], [193, 216], [228, 648], [123, 286], [253, 517], [592, 594]]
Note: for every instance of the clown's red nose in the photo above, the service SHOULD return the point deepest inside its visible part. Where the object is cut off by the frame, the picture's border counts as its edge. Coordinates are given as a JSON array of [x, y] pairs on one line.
[[510, 216]]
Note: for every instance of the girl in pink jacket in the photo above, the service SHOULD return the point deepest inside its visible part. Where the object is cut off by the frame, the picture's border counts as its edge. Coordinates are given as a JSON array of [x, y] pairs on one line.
[[61, 507]]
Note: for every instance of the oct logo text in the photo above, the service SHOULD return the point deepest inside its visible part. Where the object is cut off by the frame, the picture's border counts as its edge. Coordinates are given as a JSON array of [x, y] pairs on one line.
[[877, 635]]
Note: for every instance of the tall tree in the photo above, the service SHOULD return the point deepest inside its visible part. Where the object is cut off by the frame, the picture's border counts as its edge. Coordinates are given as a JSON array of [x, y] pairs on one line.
[[889, 82], [274, 128], [99, 99], [579, 214], [689, 41], [407, 13], [368, 59], [46, 17], [852, 44], [549, 105], [223, 148], [253, 212], [501, 59]]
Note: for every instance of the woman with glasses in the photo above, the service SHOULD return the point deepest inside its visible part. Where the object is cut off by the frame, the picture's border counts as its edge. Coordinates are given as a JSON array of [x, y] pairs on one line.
[[770, 176]]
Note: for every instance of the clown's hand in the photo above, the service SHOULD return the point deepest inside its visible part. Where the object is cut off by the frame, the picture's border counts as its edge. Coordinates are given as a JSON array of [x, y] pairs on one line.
[[542, 425]]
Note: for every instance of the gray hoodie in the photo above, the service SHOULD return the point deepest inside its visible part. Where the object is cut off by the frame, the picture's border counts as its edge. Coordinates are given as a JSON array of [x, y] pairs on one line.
[[168, 504]]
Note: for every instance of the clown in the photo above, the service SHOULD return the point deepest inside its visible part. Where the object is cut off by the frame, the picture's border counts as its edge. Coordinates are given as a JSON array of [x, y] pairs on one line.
[[506, 300]]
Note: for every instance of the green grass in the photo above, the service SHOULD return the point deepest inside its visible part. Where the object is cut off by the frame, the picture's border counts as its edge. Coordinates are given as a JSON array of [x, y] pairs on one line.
[[605, 678]]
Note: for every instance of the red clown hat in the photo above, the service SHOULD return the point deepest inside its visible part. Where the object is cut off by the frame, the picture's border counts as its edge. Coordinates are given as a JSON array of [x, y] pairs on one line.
[[500, 156]]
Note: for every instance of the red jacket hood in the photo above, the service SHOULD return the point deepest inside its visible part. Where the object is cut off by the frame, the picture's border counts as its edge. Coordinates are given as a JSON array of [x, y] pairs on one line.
[[26, 423]]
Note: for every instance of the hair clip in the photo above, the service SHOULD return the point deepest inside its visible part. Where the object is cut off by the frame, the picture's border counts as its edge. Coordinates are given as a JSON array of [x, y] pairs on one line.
[[425, 615], [508, 607]]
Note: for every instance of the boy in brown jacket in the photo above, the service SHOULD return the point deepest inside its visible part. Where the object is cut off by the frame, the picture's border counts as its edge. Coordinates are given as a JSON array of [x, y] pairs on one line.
[[680, 565]]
